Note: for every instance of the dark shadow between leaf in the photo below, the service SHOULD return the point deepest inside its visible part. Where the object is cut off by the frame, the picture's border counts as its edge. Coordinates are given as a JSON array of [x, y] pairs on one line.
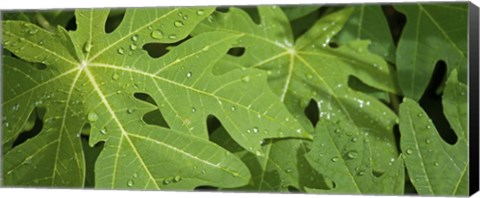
[[312, 112], [206, 188], [333, 45], [252, 11], [156, 50], [431, 102], [91, 154], [154, 117], [115, 17], [212, 124], [236, 51], [33, 126], [396, 21]]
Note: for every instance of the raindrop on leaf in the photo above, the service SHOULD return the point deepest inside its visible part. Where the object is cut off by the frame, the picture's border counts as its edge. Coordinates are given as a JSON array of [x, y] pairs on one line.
[[246, 78], [352, 154], [157, 34], [120, 51], [335, 159], [130, 183], [178, 24], [92, 117], [409, 151], [115, 76]]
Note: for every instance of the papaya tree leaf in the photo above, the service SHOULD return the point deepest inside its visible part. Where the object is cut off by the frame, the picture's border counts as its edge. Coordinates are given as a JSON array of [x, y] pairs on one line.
[[434, 166], [283, 166], [309, 68], [368, 22], [92, 79], [346, 159], [433, 32]]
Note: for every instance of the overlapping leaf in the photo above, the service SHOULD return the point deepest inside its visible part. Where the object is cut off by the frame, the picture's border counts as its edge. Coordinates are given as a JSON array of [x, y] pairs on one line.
[[284, 166], [369, 22], [91, 79], [433, 32], [308, 69], [436, 167], [346, 159]]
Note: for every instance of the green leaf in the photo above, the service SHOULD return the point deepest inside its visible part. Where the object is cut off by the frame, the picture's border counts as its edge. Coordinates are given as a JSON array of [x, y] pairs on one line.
[[294, 12], [308, 69], [283, 165], [346, 159], [436, 167], [368, 22], [92, 78], [433, 32]]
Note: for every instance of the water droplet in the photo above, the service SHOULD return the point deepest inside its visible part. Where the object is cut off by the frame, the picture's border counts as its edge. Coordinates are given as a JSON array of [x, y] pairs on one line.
[[87, 47], [337, 131], [255, 130], [130, 111], [428, 141], [246, 78], [185, 17], [352, 154], [120, 51], [309, 76], [288, 170], [41, 42], [130, 183], [361, 173], [298, 130], [103, 131], [16, 107], [200, 12], [33, 31], [436, 164], [354, 139], [249, 131], [409, 151], [428, 127], [420, 115], [204, 171], [157, 34], [233, 108], [172, 36], [115, 76], [178, 24], [194, 110], [189, 74], [335, 159], [135, 175], [92, 117], [177, 178], [133, 46], [135, 38], [166, 181]]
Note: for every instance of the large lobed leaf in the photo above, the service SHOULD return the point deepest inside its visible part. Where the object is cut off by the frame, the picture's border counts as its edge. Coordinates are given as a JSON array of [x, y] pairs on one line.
[[346, 160], [369, 22], [436, 167], [432, 33], [90, 80], [308, 69]]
